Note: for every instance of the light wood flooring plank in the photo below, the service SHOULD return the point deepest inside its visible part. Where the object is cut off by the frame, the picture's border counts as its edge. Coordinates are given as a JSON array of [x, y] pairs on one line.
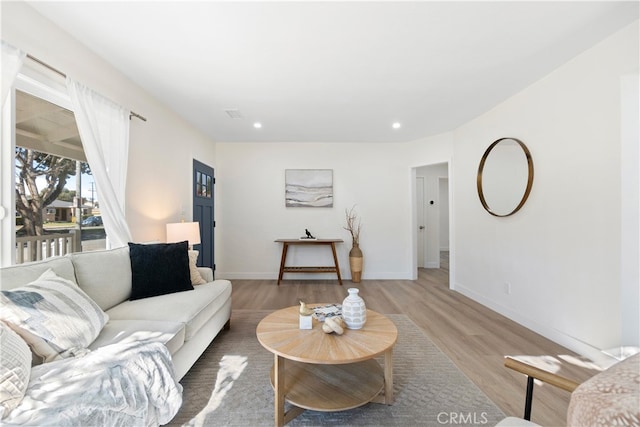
[[473, 336]]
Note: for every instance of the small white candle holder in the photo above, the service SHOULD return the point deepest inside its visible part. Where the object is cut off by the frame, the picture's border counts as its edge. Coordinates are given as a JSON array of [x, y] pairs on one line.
[[306, 322]]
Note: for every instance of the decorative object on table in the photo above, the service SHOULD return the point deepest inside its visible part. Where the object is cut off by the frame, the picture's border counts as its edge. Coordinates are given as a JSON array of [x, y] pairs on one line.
[[308, 235], [308, 188], [333, 324], [354, 311], [304, 310], [355, 254], [306, 318], [329, 310]]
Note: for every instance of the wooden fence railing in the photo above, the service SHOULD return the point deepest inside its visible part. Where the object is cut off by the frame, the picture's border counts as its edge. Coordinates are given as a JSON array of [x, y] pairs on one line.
[[36, 248]]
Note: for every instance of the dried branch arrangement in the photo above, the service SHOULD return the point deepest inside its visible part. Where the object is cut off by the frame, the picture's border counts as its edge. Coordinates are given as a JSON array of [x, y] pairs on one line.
[[353, 225]]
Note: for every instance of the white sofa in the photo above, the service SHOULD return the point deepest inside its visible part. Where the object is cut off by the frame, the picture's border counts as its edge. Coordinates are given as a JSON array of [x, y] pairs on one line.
[[185, 322]]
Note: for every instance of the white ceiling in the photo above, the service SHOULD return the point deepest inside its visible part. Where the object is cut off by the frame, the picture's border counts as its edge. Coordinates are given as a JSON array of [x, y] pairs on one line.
[[336, 71]]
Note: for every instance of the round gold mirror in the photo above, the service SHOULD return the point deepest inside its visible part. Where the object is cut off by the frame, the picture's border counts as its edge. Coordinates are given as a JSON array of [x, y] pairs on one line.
[[505, 177]]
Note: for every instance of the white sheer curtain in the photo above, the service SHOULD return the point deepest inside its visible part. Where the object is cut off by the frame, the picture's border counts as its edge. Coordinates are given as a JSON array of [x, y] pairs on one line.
[[12, 59], [104, 130]]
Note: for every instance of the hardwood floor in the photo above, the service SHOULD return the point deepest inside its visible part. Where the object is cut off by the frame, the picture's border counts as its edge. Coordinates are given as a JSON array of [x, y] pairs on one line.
[[473, 336]]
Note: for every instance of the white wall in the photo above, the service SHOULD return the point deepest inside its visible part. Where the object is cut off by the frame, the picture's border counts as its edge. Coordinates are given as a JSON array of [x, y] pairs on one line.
[[251, 211], [630, 220], [162, 149], [561, 253]]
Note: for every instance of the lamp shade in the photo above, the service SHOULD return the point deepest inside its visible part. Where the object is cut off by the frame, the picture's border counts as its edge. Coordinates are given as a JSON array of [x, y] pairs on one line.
[[181, 231]]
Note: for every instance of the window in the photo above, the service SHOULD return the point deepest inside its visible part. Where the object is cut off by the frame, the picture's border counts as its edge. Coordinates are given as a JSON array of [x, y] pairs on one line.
[[204, 185], [56, 205]]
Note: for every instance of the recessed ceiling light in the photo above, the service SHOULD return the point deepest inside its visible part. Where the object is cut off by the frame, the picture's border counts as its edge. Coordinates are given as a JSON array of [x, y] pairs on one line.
[[257, 125], [396, 125]]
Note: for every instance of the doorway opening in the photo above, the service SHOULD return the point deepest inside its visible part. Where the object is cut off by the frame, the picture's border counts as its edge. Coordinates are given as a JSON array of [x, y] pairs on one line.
[[432, 219]]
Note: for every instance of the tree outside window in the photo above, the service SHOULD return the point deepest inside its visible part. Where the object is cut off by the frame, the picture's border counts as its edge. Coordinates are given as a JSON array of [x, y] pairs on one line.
[[41, 179]]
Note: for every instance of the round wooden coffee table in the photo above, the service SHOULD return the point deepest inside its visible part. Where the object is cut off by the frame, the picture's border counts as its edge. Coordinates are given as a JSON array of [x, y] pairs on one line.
[[327, 372]]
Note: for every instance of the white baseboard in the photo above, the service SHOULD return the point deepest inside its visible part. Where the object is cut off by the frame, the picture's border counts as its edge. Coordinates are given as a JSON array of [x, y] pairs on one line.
[[432, 264], [309, 276], [245, 276], [546, 331]]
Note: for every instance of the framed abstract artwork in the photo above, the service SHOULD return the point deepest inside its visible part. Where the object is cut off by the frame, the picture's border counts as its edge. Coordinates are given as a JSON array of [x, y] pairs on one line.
[[312, 188]]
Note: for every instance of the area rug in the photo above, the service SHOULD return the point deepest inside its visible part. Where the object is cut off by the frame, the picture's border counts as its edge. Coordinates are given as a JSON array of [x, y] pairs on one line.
[[229, 386]]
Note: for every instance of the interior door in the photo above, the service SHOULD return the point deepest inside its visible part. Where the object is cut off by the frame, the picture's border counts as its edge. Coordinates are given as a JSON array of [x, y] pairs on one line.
[[420, 220], [443, 198], [203, 201]]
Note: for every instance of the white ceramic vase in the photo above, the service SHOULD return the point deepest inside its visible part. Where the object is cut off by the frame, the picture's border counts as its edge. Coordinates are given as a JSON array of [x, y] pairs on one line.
[[354, 311]]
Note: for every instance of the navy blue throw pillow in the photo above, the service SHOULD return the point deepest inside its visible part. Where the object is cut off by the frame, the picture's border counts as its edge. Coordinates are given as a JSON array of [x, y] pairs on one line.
[[159, 269]]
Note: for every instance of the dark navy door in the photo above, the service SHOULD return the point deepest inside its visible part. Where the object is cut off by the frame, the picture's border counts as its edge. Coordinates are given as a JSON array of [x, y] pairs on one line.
[[203, 182]]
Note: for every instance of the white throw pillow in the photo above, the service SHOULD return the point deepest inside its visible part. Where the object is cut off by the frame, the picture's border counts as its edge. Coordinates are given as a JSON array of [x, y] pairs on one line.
[[15, 369], [41, 351], [196, 278], [56, 310]]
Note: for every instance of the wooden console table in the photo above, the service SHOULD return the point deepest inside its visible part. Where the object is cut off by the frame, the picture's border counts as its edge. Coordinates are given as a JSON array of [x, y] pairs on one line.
[[314, 269]]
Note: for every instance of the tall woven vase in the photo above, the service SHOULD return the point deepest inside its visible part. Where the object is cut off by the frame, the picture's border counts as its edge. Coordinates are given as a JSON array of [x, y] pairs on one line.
[[354, 311], [355, 263]]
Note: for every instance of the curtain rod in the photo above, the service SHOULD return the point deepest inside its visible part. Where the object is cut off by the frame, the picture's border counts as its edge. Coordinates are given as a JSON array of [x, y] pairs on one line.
[[55, 70]]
